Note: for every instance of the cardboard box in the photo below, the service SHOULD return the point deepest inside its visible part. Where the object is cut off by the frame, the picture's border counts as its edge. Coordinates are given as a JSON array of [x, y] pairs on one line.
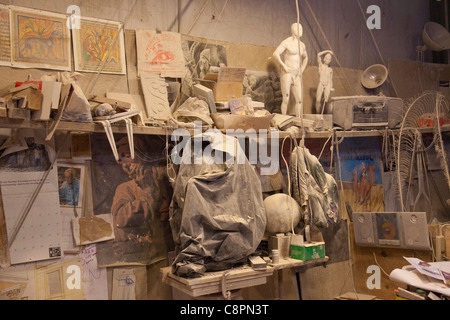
[[308, 251], [19, 113], [226, 85], [31, 94], [281, 243], [51, 93], [235, 122]]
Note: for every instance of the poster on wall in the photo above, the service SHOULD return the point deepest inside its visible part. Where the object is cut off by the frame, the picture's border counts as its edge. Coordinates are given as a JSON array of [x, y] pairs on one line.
[[32, 219], [161, 53], [137, 193], [40, 39], [5, 36], [99, 46], [361, 172]]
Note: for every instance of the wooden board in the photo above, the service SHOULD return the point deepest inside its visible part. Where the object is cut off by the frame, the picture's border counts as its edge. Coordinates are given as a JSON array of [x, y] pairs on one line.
[[447, 241], [4, 247], [410, 78], [387, 259]]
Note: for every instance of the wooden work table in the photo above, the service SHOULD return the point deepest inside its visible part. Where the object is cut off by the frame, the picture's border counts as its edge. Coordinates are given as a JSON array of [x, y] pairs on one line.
[[226, 281]]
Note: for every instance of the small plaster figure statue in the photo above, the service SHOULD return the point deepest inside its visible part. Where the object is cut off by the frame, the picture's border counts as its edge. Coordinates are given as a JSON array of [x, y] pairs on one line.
[[325, 86], [293, 64]]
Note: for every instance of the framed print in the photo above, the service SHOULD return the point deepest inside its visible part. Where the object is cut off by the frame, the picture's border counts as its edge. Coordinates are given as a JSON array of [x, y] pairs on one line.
[[40, 39], [99, 46]]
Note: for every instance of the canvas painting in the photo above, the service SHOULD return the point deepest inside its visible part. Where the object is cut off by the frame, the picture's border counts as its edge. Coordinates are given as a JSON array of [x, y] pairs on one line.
[[40, 39], [361, 173], [99, 46]]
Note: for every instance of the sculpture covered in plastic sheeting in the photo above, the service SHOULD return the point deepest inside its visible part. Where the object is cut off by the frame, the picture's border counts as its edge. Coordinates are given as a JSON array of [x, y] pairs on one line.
[[217, 214], [314, 189]]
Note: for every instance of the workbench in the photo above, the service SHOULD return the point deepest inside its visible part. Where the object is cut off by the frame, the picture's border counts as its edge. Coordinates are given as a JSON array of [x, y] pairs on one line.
[[231, 281]]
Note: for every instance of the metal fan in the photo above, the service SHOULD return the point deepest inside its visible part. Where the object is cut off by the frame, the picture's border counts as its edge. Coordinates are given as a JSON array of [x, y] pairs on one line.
[[430, 110]]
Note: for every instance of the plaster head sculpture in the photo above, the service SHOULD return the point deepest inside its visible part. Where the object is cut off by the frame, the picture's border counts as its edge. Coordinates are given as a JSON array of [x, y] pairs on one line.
[[292, 57], [325, 86], [297, 30]]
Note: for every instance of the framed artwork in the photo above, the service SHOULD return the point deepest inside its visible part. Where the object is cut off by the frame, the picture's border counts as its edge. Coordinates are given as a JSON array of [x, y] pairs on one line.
[[40, 39], [70, 184], [99, 46], [5, 36]]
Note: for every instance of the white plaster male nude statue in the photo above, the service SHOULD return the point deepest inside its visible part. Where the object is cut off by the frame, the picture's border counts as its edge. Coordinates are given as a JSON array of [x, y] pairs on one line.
[[292, 56], [325, 86]]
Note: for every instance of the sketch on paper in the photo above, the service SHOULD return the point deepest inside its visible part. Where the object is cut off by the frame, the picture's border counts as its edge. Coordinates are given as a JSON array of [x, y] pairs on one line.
[[160, 53], [99, 46], [5, 36], [200, 59], [264, 87], [41, 39]]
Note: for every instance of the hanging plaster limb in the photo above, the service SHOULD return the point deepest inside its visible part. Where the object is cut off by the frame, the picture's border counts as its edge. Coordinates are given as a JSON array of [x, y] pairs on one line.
[[107, 121]]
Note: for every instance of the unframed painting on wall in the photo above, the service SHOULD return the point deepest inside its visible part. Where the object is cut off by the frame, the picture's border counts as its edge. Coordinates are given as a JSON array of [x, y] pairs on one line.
[[361, 174], [137, 193]]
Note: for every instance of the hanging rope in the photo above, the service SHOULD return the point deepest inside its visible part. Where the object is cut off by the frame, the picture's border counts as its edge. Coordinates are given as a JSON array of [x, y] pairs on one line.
[[113, 43], [376, 46], [329, 46]]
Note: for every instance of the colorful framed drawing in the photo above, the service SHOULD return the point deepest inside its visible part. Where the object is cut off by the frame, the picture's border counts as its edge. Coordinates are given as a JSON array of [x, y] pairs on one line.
[[99, 46], [5, 36], [40, 39]]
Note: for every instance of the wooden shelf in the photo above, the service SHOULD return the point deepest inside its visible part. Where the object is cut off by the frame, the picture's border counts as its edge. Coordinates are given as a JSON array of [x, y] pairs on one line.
[[162, 131]]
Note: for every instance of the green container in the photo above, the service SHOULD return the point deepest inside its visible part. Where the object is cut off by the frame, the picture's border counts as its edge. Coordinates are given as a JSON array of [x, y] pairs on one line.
[[308, 251]]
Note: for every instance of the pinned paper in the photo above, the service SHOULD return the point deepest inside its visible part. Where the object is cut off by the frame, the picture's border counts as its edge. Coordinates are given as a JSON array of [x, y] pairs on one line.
[[93, 229]]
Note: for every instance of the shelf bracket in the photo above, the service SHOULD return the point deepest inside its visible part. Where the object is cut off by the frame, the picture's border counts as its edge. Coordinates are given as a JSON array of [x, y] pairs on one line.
[[107, 121]]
